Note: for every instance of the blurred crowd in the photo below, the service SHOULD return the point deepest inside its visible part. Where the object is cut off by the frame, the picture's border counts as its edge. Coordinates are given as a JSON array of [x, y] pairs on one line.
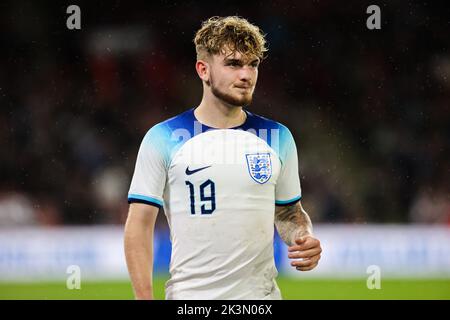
[[369, 109]]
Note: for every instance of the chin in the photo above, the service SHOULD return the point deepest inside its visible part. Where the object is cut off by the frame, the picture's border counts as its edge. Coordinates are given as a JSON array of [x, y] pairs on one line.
[[239, 102]]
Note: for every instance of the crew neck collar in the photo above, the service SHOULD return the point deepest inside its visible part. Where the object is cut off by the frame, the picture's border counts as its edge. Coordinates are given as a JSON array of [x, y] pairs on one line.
[[247, 115]]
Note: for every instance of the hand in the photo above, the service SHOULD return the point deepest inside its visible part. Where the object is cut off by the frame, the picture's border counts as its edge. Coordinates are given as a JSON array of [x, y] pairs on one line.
[[308, 249]]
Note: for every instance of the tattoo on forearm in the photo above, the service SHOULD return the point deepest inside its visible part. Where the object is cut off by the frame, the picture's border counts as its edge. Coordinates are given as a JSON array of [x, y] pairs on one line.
[[292, 222]]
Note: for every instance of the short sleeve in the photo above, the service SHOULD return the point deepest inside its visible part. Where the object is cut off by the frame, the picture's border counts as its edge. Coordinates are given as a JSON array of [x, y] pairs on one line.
[[287, 190], [149, 178]]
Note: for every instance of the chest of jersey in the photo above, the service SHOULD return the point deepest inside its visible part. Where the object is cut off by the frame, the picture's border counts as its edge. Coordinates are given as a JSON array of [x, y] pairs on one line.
[[220, 170]]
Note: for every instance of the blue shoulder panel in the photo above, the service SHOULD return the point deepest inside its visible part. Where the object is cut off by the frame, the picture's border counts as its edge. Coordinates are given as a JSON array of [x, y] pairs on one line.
[[168, 136], [277, 136]]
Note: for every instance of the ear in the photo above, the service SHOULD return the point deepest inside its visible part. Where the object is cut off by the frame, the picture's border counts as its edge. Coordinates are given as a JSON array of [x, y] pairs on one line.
[[202, 68]]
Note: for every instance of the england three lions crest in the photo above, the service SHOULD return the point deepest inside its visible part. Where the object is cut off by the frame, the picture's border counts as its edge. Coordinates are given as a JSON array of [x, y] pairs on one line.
[[259, 166]]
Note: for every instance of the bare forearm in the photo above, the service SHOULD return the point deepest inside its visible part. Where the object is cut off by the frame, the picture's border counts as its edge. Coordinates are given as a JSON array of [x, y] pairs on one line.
[[138, 244], [292, 222]]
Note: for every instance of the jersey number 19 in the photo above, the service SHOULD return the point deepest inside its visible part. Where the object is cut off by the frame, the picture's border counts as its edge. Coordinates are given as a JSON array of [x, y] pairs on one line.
[[205, 196]]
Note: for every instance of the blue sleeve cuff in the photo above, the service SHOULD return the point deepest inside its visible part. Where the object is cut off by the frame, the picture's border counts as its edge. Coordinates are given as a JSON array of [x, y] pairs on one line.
[[287, 202], [132, 198]]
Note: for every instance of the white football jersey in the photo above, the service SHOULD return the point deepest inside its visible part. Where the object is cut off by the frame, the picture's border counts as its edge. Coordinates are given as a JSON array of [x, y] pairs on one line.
[[219, 188]]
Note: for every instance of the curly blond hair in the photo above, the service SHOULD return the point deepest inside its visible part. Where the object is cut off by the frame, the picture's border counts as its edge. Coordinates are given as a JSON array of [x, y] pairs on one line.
[[234, 33]]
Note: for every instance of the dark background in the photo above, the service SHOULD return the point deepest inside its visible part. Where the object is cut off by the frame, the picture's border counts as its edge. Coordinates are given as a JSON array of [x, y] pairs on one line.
[[369, 109]]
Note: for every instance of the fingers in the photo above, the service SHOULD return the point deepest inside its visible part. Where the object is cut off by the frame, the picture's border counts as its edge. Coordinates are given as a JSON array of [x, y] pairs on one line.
[[305, 254], [307, 249], [304, 243], [306, 264], [307, 268]]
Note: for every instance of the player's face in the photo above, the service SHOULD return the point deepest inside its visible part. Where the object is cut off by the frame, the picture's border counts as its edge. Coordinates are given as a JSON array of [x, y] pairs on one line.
[[233, 78]]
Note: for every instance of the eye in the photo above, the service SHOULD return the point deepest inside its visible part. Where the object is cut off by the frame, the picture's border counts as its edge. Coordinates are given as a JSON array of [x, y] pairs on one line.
[[233, 64]]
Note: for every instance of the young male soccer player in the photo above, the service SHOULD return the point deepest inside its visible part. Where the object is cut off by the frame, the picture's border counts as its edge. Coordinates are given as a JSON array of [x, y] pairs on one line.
[[225, 177]]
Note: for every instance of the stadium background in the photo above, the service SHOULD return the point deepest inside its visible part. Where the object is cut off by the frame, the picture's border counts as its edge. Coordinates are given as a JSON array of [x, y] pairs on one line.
[[369, 110]]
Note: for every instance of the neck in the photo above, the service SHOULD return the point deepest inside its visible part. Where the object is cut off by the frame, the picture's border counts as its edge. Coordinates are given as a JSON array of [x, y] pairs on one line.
[[216, 114]]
